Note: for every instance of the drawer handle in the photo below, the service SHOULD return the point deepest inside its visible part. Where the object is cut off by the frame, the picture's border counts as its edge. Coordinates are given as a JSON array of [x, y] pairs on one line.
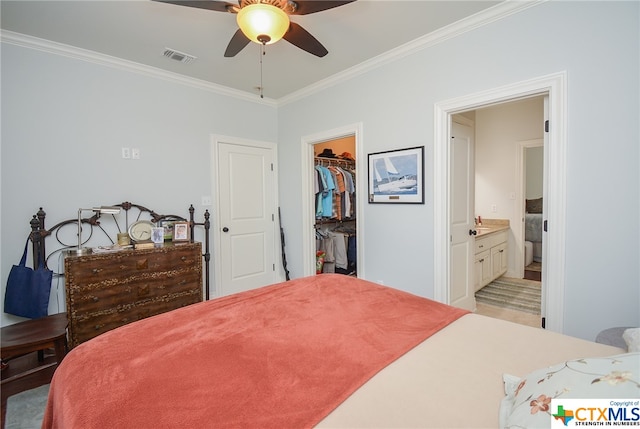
[[481, 260], [481, 246]]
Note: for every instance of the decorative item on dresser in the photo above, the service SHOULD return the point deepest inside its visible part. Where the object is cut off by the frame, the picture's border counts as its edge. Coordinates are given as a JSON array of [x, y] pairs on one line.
[[115, 285]]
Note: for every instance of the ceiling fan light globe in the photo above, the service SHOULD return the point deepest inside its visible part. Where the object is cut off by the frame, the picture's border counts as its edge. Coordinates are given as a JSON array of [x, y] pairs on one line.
[[258, 20]]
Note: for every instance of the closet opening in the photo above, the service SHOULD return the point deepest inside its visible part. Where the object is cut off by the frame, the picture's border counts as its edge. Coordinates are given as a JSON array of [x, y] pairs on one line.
[[314, 144], [335, 220]]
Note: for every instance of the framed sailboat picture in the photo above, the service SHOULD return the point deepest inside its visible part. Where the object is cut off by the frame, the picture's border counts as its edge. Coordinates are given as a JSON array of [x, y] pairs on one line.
[[397, 176]]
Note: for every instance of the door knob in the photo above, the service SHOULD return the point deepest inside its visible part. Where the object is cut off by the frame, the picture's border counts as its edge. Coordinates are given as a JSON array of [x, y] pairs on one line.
[[225, 229], [472, 232]]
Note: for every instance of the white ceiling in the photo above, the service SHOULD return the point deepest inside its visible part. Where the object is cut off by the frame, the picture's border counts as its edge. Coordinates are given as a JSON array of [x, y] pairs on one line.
[[140, 30]]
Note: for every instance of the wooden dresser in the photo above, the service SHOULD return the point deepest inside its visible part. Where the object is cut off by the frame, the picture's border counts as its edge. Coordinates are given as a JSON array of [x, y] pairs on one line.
[[108, 290]]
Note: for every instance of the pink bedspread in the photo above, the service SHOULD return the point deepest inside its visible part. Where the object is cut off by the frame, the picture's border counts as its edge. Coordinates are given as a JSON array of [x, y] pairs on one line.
[[280, 356]]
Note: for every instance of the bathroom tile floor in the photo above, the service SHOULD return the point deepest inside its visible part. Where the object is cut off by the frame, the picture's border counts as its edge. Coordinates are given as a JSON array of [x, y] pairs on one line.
[[519, 317]]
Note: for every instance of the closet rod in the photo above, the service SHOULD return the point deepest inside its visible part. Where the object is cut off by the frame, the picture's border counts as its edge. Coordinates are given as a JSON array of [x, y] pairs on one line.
[[334, 161]]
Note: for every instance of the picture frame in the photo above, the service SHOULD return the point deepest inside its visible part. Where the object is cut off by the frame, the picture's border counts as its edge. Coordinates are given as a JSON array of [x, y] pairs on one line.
[[168, 228], [396, 176], [181, 232], [157, 235]]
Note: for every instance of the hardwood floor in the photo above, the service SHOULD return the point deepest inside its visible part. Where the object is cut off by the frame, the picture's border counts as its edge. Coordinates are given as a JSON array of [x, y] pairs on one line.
[[533, 271], [19, 365]]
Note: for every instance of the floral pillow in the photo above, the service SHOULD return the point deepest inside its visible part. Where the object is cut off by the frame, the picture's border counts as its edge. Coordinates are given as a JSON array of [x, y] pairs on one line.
[[631, 336], [528, 400]]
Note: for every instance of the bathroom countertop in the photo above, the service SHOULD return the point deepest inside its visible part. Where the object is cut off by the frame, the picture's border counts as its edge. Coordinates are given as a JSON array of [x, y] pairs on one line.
[[490, 226]]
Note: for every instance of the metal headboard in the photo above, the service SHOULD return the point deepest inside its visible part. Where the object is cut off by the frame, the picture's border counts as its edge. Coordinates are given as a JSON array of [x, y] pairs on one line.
[[39, 232]]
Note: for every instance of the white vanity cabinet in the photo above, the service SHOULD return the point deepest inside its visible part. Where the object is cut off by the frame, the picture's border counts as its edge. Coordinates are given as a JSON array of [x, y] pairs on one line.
[[482, 269], [498, 260], [491, 258]]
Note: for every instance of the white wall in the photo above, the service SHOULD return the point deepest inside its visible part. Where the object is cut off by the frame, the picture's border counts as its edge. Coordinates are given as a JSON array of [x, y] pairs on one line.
[[64, 123], [534, 166], [395, 105]]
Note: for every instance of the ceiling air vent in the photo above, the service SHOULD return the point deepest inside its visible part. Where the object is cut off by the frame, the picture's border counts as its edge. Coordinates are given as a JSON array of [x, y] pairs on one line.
[[178, 56]]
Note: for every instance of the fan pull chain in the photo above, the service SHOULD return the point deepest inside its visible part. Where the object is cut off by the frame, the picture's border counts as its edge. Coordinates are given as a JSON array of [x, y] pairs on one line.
[[262, 53]]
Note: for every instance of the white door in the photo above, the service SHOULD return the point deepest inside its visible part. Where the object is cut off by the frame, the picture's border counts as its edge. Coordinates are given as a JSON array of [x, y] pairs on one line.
[[462, 170], [247, 217]]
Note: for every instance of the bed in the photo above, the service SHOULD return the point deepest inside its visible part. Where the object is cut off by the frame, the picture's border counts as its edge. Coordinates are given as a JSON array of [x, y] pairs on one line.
[[533, 226], [322, 351]]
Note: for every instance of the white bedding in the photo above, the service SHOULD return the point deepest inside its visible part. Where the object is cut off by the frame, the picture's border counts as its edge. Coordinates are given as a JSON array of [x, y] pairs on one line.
[[454, 378], [533, 227]]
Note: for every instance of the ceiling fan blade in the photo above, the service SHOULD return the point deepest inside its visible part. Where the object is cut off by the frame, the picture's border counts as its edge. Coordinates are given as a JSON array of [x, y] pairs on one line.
[[236, 44], [305, 7], [217, 6], [304, 40]]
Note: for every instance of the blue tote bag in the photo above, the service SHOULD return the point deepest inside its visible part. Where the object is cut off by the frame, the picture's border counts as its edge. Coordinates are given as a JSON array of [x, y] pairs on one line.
[[28, 290]]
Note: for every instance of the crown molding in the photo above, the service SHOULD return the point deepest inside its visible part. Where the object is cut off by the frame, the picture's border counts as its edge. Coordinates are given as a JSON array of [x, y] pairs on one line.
[[485, 17], [480, 19], [73, 52]]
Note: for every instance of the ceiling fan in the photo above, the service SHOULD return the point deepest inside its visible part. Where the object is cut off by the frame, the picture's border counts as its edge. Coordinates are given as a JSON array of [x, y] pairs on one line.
[[267, 21]]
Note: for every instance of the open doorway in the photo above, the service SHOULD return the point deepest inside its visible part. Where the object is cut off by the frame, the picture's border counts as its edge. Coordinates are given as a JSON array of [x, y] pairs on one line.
[[509, 175], [335, 224], [532, 153], [331, 143], [509, 183], [554, 86]]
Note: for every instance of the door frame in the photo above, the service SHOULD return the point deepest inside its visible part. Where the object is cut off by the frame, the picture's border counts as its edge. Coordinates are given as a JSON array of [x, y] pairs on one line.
[[308, 206], [555, 86], [216, 140]]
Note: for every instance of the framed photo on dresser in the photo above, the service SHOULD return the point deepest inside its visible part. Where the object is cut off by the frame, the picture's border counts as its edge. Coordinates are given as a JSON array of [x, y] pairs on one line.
[[181, 231]]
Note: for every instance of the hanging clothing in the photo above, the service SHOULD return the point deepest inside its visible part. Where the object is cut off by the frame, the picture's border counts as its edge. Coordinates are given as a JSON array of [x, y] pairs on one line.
[[335, 196], [324, 199], [338, 208], [335, 189], [334, 245], [340, 249]]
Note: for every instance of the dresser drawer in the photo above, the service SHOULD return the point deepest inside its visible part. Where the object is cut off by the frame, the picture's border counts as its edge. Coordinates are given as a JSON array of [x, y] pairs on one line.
[[117, 265], [103, 295], [87, 325]]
